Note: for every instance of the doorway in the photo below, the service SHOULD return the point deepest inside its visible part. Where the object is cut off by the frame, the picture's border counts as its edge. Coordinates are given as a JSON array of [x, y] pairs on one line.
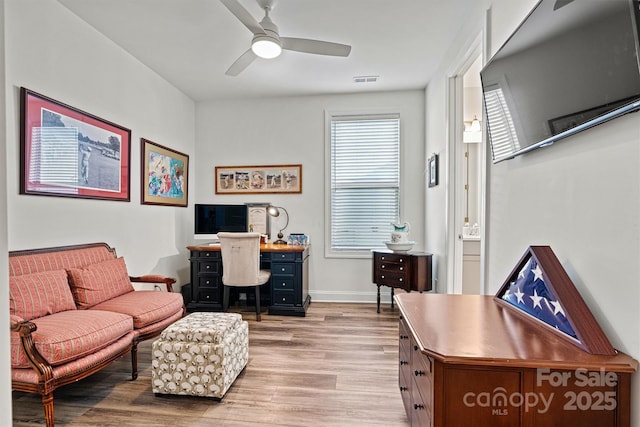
[[466, 201]]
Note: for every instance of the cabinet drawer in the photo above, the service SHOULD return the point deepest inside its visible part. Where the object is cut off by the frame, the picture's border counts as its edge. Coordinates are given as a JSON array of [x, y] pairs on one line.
[[283, 298], [208, 267], [392, 267], [209, 282], [394, 258], [420, 411], [288, 256], [208, 294], [390, 278], [281, 268], [282, 283]]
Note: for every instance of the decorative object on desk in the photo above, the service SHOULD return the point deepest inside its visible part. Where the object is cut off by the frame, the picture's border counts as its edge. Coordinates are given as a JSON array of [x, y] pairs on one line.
[[539, 289], [274, 211], [258, 218], [400, 247], [70, 153], [400, 233], [432, 169], [258, 179], [164, 175], [298, 239]]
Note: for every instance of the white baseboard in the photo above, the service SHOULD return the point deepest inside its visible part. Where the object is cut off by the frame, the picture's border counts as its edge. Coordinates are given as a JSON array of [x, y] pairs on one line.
[[350, 296]]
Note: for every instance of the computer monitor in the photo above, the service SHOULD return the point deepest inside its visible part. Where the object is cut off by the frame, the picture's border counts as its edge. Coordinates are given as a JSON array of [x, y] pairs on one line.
[[209, 219]]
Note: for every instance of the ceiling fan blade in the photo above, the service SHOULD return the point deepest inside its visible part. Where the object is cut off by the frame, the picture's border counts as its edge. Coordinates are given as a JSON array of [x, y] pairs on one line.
[[243, 15], [241, 63], [315, 46]]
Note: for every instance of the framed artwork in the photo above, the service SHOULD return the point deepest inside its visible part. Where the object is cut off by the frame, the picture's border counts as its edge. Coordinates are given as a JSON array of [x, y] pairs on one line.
[[165, 175], [539, 289], [258, 179], [70, 153], [258, 218], [432, 169]]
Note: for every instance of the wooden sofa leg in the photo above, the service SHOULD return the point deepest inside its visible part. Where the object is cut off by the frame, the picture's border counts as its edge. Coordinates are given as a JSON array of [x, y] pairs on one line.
[[47, 405], [134, 360]]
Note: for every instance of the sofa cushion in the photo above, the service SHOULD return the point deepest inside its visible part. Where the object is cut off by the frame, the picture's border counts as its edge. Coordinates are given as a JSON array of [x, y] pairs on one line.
[[38, 294], [70, 335], [99, 282], [145, 307]]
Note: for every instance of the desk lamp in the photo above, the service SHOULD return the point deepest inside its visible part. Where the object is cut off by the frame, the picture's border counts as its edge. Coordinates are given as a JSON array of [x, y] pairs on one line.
[[274, 211]]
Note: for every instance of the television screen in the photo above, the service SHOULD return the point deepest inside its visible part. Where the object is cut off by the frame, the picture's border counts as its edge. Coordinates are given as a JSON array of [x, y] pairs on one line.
[[570, 65], [210, 219]]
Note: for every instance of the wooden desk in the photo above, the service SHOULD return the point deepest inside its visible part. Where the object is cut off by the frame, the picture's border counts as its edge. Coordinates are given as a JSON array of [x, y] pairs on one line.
[[288, 286], [466, 360]]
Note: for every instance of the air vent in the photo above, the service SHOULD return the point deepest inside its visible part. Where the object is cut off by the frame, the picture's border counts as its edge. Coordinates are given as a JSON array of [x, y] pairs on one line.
[[365, 79]]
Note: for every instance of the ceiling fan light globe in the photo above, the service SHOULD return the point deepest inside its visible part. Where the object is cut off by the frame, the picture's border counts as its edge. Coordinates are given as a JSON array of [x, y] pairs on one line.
[[266, 47]]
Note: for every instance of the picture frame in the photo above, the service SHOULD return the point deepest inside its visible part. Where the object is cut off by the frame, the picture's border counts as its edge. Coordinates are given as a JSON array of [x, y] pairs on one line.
[[165, 175], [258, 218], [258, 179], [432, 170], [68, 152]]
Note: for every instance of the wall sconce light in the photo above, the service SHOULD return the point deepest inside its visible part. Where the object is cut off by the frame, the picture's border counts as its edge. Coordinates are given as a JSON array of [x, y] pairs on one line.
[[274, 211], [472, 132]]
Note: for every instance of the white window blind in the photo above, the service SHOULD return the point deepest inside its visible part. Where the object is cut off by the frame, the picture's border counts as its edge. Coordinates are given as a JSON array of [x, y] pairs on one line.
[[504, 139], [365, 180]]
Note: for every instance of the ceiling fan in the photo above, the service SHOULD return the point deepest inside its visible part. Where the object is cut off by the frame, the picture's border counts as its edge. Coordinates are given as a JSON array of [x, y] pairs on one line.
[[267, 43]]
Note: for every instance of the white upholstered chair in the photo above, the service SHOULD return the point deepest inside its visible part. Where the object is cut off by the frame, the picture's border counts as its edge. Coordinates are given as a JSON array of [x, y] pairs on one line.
[[241, 264]]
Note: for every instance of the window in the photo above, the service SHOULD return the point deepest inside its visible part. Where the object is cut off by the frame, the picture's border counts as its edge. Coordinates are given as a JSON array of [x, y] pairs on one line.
[[364, 181]]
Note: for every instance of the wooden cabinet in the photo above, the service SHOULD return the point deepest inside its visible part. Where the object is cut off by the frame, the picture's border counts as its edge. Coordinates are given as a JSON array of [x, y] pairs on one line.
[[409, 271], [465, 360], [288, 286]]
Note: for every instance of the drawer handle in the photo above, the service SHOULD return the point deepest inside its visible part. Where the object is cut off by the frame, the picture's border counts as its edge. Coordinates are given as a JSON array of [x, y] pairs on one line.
[[417, 406], [403, 362], [284, 299], [401, 260], [415, 348], [400, 280], [419, 373], [207, 254], [207, 297], [382, 267], [382, 277], [401, 268], [282, 268], [208, 267], [284, 284], [382, 258], [404, 337], [207, 282], [402, 388]]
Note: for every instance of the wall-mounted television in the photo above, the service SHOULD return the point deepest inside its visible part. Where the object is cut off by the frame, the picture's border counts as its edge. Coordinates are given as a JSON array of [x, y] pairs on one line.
[[209, 219], [570, 65]]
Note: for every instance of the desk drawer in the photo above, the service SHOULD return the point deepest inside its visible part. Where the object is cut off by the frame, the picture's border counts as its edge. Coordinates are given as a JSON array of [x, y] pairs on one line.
[[287, 256], [282, 268], [209, 282], [208, 267], [209, 254], [283, 298], [208, 294], [282, 283]]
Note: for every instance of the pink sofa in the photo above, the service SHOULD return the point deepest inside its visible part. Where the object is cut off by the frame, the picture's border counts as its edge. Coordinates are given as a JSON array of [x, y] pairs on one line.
[[74, 311]]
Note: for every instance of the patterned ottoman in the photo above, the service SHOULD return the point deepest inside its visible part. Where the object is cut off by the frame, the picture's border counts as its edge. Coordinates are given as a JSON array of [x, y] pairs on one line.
[[200, 355]]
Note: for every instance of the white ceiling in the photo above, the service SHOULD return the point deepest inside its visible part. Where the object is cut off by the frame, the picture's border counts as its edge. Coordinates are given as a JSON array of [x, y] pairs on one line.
[[191, 43]]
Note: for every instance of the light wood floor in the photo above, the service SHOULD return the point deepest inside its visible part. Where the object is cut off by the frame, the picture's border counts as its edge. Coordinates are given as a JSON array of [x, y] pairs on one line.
[[338, 366]]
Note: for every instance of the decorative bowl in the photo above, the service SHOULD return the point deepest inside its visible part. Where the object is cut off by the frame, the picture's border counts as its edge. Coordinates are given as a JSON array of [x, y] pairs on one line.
[[400, 246]]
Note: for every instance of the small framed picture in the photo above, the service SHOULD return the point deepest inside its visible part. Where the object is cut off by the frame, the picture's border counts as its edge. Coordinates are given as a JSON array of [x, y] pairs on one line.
[[432, 169], [164, 175]]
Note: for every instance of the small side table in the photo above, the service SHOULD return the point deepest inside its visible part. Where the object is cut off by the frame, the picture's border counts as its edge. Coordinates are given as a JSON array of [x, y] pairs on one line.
[[410, 271]]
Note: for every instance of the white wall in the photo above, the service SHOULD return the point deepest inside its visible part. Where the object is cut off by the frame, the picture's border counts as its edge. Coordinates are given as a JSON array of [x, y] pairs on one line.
[[580, 196], [291, 131], [5, 371], [60, 56]]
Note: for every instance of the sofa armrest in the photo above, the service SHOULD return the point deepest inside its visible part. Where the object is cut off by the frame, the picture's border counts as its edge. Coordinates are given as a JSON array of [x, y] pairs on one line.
[[25, 330], [155, 278]]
